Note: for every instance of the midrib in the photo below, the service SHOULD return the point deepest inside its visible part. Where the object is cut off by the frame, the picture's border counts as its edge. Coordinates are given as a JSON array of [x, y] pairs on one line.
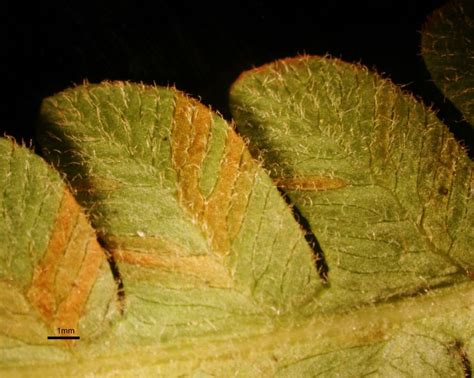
[[289, 342]]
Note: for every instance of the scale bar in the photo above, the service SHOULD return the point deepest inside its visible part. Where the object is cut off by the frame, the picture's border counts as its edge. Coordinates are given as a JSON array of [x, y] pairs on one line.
[[64, 337]]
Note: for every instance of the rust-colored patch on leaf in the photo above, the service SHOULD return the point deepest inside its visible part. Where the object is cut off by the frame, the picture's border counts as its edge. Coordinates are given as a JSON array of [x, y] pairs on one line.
[[221, 214], [145, 243], [218, 206], [205, 267], [240, 197], [310, 183], [65, 276], [189, 140]]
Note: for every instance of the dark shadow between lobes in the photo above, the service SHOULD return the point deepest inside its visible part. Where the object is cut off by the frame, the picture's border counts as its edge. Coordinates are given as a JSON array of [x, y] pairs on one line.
[[320, 261], [116, 274]]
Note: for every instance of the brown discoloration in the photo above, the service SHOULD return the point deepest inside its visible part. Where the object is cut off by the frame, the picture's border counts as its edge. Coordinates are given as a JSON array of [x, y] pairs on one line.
[[71, 308], [221, 213], [206, 268], [65, 276], [459, 349], [189, 138], [42, 291], [218, 206], [147, 243], [240, 197], [310, 183], [470, 274]]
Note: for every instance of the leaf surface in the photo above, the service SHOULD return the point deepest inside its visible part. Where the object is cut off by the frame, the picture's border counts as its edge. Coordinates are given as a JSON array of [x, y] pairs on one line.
[[53, 273], [382, 183], [447, 46], [218, 277], [202, 238]]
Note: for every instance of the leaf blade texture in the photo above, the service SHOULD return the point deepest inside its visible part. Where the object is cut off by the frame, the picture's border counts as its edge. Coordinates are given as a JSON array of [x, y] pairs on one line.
[[382, 182], [385, 188], [53, 272], [196, 226], [145, 162]]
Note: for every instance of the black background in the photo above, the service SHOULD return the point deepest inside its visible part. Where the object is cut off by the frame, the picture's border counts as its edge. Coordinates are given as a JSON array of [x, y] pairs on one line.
[[202, 48]]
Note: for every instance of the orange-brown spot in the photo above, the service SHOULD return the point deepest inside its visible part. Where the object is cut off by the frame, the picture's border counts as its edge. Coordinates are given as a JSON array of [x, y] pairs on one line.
[[310, 183], [218, 205], [42, 293], [206, 268], [470, 274], [165, 246], [240, 197], [221, 214], [71, 308], [64, 277], [190, 133]]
